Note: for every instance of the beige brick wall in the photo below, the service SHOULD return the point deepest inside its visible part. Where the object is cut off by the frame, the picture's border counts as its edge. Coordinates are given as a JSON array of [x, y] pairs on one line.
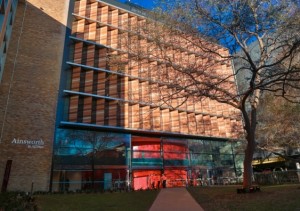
[[28, 91]]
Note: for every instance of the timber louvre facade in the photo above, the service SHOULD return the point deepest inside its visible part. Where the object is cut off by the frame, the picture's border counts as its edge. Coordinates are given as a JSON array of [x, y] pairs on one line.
[[112, 132]]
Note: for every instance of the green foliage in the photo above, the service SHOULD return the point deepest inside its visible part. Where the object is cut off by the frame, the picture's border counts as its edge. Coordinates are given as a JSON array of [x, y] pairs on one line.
[[16, 201]]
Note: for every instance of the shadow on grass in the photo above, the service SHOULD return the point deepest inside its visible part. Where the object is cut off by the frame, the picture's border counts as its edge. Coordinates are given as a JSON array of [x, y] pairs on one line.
[[136, 200], [273, 198]]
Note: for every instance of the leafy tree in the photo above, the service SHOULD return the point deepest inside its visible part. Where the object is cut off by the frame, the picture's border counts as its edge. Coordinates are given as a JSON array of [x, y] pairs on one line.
[[204, 26]]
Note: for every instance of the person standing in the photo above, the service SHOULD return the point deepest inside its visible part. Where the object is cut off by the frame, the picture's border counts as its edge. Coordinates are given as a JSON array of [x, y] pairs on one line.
[[164, 180], [152, 181], [158, 179]]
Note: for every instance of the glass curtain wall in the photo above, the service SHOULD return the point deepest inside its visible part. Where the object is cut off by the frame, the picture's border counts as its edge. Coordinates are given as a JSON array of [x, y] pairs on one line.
[[101, 161], [90, 160], [215, 162]]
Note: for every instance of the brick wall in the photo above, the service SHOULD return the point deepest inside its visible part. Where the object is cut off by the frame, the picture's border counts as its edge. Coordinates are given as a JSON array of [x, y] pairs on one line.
[[28, 92]]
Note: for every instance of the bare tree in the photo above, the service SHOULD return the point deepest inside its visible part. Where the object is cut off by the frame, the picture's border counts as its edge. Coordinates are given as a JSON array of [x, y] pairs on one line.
[[197, 40], [92, 144], [278, 128]]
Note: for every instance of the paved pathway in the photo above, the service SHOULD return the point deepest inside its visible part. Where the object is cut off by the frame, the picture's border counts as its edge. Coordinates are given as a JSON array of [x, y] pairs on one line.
[[175, 199]]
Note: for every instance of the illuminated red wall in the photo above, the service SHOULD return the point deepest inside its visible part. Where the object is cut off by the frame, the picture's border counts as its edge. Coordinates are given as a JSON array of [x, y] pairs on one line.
[[176, 178], [172, 151], [144, 147], [142, 179]]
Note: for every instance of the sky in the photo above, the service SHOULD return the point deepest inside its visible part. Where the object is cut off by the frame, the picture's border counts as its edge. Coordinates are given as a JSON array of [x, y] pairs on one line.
[[148, 4]]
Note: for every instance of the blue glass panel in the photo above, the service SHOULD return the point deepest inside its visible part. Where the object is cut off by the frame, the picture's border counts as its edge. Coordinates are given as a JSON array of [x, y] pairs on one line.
[[239, 159], [176, 162], [201, 160], [200, 146], [80, 142], [154, 162], [79, 147]]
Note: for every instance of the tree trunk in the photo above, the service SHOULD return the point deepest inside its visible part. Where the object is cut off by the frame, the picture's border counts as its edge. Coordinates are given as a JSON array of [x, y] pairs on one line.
[[249, 151], [93, 171], [250, 128]]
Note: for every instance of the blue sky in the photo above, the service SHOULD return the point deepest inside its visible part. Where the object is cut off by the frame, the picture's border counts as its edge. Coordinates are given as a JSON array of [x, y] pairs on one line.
[[144, 3]]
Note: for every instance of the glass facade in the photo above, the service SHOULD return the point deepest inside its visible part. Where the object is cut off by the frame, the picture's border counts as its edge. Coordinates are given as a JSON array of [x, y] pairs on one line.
[[100, 161], [85, 159]]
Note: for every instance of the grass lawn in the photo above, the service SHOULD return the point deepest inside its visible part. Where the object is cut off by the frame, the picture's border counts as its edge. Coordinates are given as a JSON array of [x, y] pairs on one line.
[[138, 200], [271, 198]]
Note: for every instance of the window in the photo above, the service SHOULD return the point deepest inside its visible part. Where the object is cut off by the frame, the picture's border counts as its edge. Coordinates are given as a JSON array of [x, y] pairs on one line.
[[2, 7]]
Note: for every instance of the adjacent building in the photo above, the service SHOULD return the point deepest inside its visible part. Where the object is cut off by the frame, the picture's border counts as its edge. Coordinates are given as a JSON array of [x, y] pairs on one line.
[[29, 89], [7, 14], [74, 120]]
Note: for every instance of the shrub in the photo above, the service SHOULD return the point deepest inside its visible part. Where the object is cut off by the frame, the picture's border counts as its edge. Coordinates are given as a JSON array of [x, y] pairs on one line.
[[17, 201]]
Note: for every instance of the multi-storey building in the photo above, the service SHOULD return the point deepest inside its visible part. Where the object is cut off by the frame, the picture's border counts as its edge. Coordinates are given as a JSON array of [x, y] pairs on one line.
[[28, 91], [7, 14], [110, 129], [111, 125]]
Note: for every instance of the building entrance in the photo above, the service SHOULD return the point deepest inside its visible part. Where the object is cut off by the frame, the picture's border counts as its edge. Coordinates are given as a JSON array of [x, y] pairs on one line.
[[154, 179]]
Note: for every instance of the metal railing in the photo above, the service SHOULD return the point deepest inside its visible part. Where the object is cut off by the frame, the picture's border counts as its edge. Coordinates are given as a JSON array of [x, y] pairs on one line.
[[277, 177]]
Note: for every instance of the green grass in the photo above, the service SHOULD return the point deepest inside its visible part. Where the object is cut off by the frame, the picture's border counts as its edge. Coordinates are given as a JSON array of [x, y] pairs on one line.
[[138, 200], [270, 198]]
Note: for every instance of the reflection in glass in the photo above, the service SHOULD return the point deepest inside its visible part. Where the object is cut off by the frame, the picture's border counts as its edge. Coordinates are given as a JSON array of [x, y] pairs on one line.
[[99, 161]]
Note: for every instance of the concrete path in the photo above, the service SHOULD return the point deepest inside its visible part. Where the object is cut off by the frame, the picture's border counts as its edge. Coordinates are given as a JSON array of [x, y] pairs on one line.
[[175, 199]]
